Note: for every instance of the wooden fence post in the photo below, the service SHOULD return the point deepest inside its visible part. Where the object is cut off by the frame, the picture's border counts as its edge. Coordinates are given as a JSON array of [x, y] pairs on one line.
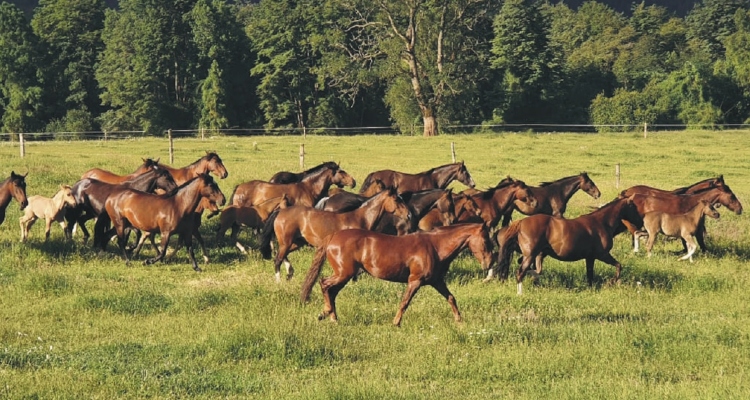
[[453, 151], [203, 134], [617, 175], [302, 156], [22, 144], [171, 147], [645, 130]]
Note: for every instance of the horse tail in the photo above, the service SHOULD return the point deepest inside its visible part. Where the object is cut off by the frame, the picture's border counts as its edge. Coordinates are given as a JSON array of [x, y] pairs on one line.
[[231, 196], [267, 234], [366, 184], [507, 240], [312, 274]]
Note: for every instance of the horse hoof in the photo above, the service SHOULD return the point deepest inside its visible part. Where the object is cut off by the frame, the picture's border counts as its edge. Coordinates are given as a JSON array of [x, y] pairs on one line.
[[321, 316], [198, 269]]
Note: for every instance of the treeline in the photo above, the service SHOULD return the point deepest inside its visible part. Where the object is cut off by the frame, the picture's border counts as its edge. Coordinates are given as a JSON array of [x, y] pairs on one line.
[[78, 66]]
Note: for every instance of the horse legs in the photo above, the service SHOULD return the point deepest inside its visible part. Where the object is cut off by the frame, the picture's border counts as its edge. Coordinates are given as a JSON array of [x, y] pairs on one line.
[[331, 287], [442, 288], [26, 222], [199, 239], [633, 229], [590, 270], [411, 289], [47, 227], [651, 239], [700, 233], [187, 238], [691, 247], [522, 269], [160, 255], [607, 258]]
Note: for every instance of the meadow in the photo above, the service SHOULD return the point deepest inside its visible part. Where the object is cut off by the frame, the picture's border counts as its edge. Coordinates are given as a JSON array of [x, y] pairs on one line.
[[77, 324]]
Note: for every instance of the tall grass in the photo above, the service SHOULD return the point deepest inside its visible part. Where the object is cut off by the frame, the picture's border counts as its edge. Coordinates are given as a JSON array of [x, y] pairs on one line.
[[78, 324]]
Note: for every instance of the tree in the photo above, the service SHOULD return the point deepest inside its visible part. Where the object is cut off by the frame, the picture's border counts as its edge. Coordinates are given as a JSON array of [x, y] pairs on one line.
[[70, 33], [710, 22], [21, 94], [213, 105]]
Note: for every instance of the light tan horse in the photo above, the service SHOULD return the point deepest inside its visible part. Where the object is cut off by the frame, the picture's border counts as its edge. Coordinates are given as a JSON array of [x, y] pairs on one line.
[[50, 209], [678, 225]]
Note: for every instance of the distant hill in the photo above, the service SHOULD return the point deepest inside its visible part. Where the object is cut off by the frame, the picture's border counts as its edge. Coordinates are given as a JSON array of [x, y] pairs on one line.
[[679, 7]]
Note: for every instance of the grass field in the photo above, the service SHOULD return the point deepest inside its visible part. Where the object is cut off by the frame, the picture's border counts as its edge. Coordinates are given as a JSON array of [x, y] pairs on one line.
[[74, 324]]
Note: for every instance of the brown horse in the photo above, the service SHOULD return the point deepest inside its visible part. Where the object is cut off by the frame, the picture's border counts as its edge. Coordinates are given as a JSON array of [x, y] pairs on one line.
[[552, 197], [465, 208], [112, 178], [680, 204], [435, 178], [346, 201], [253, 217], [296, 225], [12, 188], [417, 259], [677, 225], [210, 163], [292, 177], [587, 237], [166, 215], [307, 192], [498, 201]]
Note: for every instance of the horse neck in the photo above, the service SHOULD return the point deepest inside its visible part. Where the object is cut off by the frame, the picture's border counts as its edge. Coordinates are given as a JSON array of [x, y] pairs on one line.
[[144, 182], [371, 212], [58, 201], [609, 216], [425, 201], [319, 185], [450, 241], [504, 198], [443, 176], [567, 187], [5, 194], [711, 196], [187, 198]]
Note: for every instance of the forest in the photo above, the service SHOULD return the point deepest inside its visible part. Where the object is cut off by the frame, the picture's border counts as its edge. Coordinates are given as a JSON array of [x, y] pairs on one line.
[[414, 65]]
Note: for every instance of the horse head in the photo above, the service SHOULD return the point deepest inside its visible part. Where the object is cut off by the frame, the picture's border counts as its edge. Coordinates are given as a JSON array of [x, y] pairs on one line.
[[467, 205], [18, 188], [523, 193], [66, 196], [447, 207], [215, 165], [588, 185], [730, 201], [709, 210], [164, 180], [394, 204], [464, 176], [341, 178], [210, 190], [481, 246]]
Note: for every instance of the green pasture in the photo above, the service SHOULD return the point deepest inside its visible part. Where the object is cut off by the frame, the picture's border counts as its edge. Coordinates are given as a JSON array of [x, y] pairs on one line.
[[76, 324]]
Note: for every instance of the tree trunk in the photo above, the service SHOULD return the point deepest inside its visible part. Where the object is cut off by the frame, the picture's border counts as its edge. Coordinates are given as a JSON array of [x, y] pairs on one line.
[[430, 122]]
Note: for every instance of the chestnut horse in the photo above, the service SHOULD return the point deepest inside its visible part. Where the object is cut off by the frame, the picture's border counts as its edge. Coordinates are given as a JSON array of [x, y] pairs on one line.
[[552, 197], [296, 225], [210, 163], [678, 225], [91, 194], [292, 177], [12, 188], [680, 204], [253, 217], [417, 259], [435, 178], [498, 201], [587, 237], [109, 177], [51, 209], [166, 214], [307, 192], [346, 201], [464, 206]]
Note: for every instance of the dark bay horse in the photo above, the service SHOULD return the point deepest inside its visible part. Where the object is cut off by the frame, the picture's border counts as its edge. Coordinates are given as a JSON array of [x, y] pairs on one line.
[[417, 259], [165, 215], [14, 187], [292, 177], [346, 201], [253, 217], [464, 209], [210, 163], [587, 237], [296, 225], [435, 178], [680, 204], [307, 192], [552, 197], [91, 194], [109, 177]]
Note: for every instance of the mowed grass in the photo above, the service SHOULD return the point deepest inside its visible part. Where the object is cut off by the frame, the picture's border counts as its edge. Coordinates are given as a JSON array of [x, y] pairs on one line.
[[76, 324]]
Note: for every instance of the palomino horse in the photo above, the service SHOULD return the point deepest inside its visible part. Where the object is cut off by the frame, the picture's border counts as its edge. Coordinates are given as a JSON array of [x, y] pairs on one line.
[[52, 210], [109, 177], [12, 188], [552, 197], [292, 177], [587, 237], [296, 225], [465, 208], [417, 259], [680, 204], [697, 187], [210, 163], [91, 194], [435, 178], [253, 217], [307, 192], [165, 215], [677, 225]]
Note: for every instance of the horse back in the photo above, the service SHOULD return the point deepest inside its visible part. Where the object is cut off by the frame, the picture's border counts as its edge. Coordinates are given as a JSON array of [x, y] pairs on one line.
[[105, 176], [382, 256]]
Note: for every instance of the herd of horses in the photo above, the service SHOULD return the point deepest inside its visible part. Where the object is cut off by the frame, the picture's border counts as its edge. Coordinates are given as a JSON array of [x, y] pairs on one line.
[[400, 227]]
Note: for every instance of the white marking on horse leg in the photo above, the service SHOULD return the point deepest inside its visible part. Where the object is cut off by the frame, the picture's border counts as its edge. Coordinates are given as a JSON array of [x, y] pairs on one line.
[[289, 269], [520, 288], [205, 259], [636, 244], [241, 247], [278, 277], [490, 275]]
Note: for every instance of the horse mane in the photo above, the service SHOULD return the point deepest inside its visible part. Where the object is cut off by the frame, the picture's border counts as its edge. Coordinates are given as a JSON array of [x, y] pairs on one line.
[[320, 169], [431, 170], [543, 184], [487, 194], [177, 189], [325, 165]]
